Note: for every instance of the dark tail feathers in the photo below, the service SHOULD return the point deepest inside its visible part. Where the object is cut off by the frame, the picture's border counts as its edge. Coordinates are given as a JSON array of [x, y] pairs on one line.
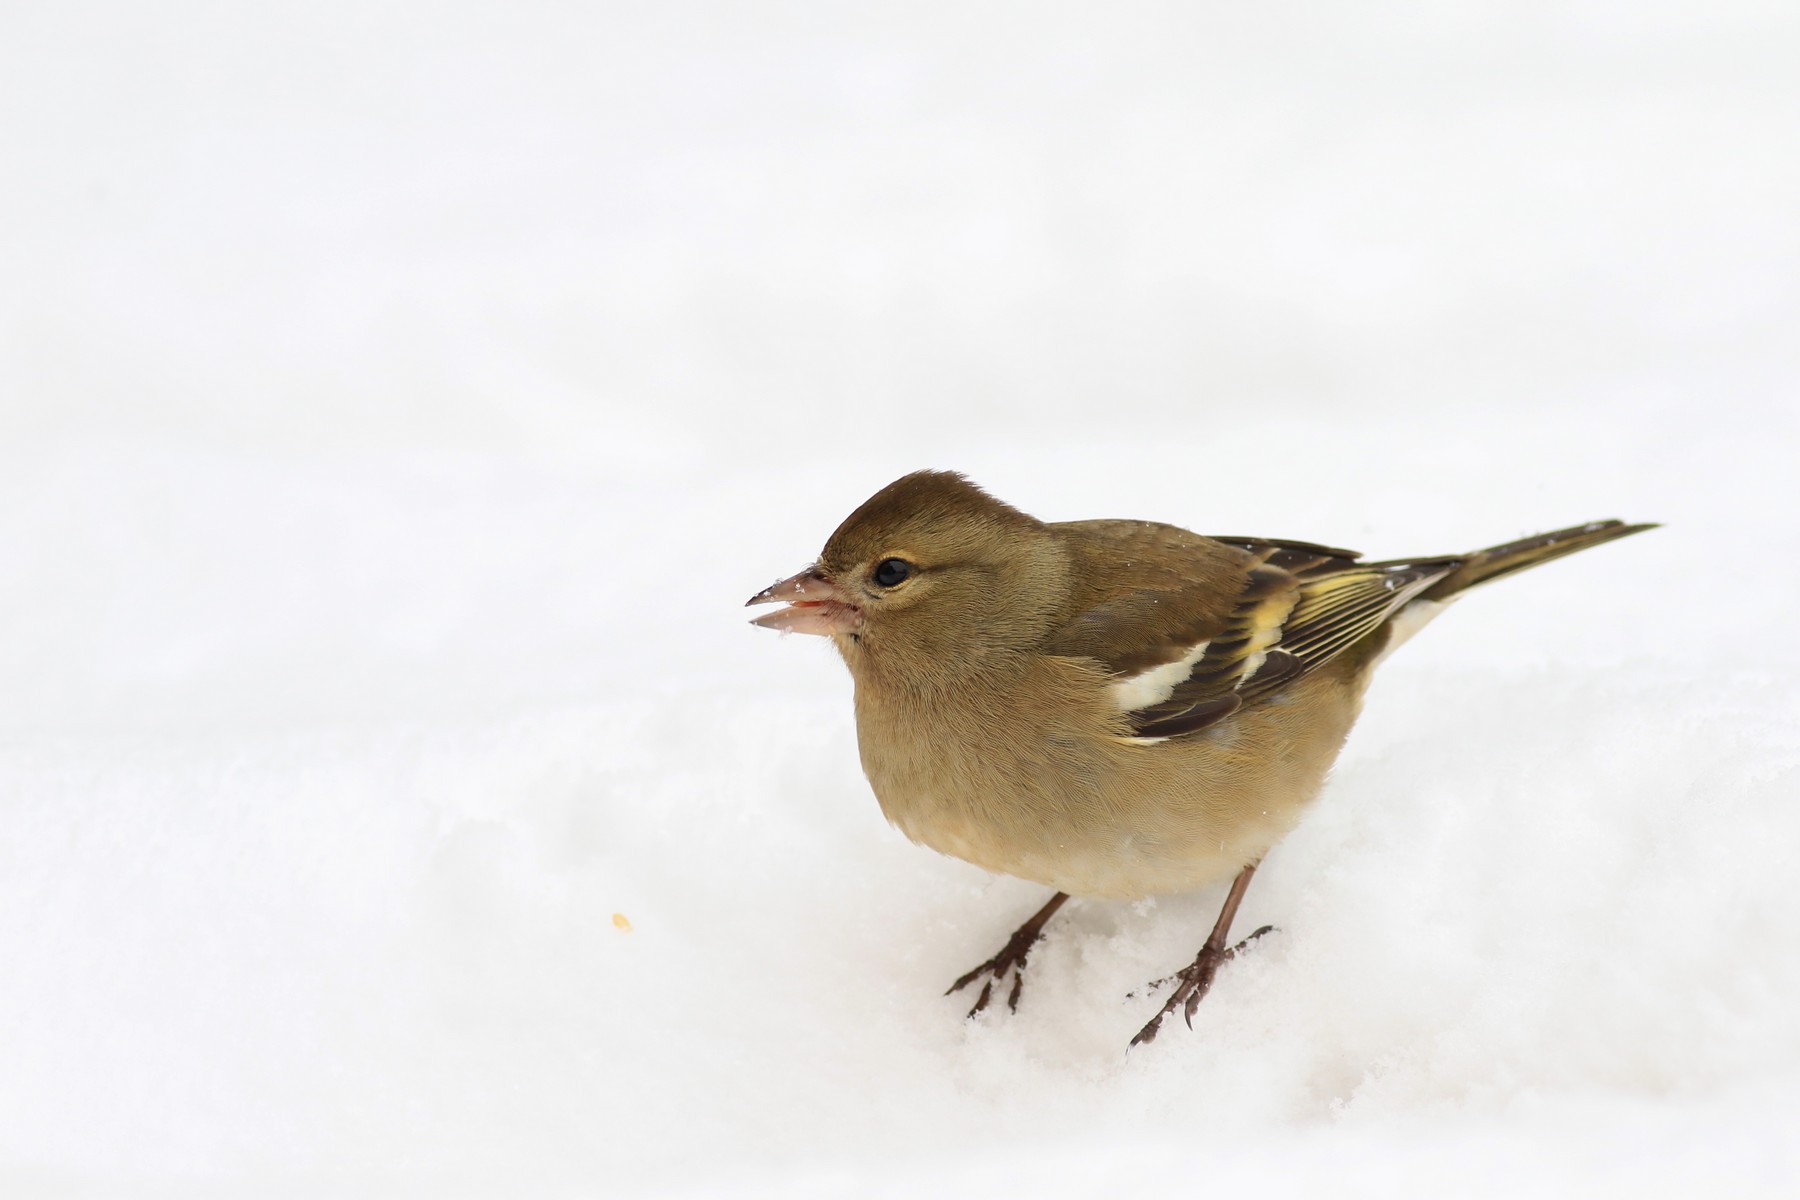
[[1496, 561]]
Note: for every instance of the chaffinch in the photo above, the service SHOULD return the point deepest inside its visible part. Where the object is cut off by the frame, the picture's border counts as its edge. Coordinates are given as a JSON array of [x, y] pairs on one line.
[[1110, 708]]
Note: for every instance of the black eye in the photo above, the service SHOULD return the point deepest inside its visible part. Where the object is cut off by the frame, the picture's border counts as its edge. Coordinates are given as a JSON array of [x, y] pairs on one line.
[[891, 571]]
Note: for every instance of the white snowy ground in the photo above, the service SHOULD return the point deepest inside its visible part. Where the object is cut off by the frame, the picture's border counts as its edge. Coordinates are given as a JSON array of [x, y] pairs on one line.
[[398, 402]]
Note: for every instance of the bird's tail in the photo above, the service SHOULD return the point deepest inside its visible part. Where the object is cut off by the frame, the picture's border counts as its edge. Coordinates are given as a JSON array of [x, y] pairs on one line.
[[1496, 561]]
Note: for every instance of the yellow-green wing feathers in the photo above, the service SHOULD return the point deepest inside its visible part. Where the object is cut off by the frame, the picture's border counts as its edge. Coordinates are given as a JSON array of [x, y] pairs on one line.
[[1193, 628], [1285, 625]]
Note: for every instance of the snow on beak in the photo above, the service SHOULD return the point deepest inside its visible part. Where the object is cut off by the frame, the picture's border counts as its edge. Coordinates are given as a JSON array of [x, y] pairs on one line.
[[814, 605]]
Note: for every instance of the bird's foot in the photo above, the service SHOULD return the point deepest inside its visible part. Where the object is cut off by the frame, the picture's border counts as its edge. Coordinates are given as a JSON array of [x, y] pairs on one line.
[[1010, 961], [1193, 982]]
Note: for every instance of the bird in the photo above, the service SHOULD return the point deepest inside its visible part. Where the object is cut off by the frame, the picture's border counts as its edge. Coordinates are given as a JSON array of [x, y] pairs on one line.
[[1114, 709]]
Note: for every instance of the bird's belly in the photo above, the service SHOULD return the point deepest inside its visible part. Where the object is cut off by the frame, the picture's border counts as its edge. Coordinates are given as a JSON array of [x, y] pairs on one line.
[[1079, 809], [1115, 868], [1097, 827]]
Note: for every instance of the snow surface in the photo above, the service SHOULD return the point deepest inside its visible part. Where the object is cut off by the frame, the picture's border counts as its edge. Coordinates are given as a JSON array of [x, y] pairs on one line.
[[398, 401]]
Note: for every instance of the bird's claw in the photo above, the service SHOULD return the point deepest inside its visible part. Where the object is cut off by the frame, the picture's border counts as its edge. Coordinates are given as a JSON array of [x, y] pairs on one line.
[[1195, 980], [1011, 959]]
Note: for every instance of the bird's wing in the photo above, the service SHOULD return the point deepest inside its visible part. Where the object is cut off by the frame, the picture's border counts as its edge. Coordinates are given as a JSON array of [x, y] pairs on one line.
[[1211, 624], [1147, 594]]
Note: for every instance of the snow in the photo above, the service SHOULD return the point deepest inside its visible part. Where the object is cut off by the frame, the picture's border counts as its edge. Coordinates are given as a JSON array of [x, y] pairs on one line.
[[397, 404]]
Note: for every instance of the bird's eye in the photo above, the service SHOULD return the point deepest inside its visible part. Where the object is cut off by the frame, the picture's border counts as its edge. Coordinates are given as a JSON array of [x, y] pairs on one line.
[[892, 571]]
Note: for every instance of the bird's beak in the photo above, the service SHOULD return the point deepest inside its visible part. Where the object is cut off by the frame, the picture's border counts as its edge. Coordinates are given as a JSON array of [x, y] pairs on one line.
[[814, 605]]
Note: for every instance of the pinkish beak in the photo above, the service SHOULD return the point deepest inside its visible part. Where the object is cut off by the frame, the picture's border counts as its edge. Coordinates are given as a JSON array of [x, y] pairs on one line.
[[814, 606]]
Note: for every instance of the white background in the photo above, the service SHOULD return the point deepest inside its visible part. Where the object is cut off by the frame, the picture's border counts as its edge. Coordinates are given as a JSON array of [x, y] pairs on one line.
[[398, 401]]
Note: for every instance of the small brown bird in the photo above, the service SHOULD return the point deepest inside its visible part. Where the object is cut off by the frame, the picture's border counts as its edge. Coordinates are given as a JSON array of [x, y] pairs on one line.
[[1110, 708]]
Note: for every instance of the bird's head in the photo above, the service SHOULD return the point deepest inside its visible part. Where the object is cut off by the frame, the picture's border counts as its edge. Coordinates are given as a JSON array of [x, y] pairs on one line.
[[930, 575]]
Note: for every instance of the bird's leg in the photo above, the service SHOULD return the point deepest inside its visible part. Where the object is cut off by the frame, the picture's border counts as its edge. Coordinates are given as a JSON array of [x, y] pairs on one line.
[[1197, 976], [1011, 958]]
